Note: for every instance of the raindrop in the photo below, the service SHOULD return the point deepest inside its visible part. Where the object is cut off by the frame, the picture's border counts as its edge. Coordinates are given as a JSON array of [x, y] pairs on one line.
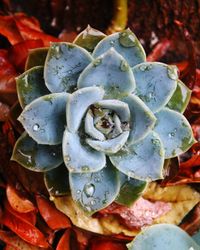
[[92, 202], [145, 67], [85, 168], [67, 158], [112, 43], [124, 66], [89, 189], [97, 179], [97, 62], [172, 72], [127, 39], [150, 95], [78, 191], [69, 71], [155, 141], [36, 127], [57, 52], [53, 154]]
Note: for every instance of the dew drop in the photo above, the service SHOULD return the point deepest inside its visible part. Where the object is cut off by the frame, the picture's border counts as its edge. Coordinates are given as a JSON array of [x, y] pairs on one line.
[[155, 141], [69, 71], [89, 189], [112, 43], [124, 66], [85, 168], [150, 95], [67, 158], [97, 179], [57, 52], [36, 127], [92, 202], [127, 39], [78, 191], [172, 72], [97, 62], [145, 67]]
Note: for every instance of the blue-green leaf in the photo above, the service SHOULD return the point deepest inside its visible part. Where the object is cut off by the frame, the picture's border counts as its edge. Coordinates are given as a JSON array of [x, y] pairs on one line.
[[36, 57], [90, 129], [78, 104], [174, 131], [64, 63], [89, 38], [57, 181], [126, 44], [130, 190], [119, 107], [155, 83], [44, 118], [112, 72], [196, 237], [142, 119], [36, 157], [132, 159], [110, 146], [180, 98], [165, 237], [95, 191], [30, 85], [78, 156]]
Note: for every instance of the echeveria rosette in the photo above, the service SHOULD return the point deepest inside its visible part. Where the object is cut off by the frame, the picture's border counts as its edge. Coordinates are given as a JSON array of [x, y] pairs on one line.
[[108, 116]]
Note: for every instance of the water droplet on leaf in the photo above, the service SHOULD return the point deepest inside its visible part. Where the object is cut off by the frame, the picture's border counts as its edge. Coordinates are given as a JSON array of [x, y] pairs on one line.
[[89, 189], [97, 62], [124, 66], [36, 127], [172, 72]]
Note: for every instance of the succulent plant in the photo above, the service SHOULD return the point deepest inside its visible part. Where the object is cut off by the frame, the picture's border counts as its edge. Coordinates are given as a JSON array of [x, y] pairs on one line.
[[163, 236], [99, 120]]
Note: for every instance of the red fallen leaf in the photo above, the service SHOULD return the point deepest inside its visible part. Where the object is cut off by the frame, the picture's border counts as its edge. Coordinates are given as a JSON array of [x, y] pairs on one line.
[[17, 202], [107, 245], [46, 230], [53, 217], [24, 230], [15, 243], [19, 52], [192, 223], [188, 75], [191, 158], [64, 242], [140, 214], [29, 21], [159, 50], [4, 112], [8, 28], [8, 131], [29, 217], [7, 79], [29, 33], [82, 238]]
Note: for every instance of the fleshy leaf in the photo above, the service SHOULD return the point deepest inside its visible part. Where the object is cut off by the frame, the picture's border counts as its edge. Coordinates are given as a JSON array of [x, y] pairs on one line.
[[130, 190], [78, 157], [36, 157], [180, 98], [155, 83], [196, 237], [174, 131], [126, 44], [30, 85], [95, 191], [63, 65], [36, 57], [119, 107], [44, 118], [112, 72], [165, 237], [89, 38], [90, 128], [132, 159], [57, 181], [110, 146], [142, 119], [78, 104]]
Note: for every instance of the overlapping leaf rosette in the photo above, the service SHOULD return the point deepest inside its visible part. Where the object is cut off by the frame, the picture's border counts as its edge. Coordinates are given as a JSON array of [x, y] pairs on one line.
[[99, 120]]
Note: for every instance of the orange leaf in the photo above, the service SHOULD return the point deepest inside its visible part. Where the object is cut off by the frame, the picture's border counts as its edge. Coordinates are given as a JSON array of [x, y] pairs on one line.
[[24, 230], [15, 243], [52, 216], [64, 242], [17, 202]]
